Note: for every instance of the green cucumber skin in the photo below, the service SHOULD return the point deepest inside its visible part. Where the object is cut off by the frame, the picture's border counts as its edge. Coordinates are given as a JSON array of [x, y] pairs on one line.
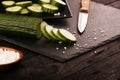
[[17, 31], [22, 21], [19, 24], [42, 29]]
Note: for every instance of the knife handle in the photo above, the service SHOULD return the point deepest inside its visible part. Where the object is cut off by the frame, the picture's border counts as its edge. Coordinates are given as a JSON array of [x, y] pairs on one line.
[[84, 5]]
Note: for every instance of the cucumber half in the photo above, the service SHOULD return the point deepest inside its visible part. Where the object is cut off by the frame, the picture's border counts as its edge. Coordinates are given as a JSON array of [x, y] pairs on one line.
[[8, 3], [14, 9], [48, 8], [67, 35], [23, 4]]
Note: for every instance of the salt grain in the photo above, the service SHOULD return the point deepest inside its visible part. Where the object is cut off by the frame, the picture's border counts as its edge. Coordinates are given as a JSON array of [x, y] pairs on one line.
[[8, 56], [65, 48], [63, 52], [57, 48]]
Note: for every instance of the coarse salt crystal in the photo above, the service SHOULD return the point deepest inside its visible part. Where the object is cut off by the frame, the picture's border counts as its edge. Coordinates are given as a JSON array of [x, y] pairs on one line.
[[7, 56]]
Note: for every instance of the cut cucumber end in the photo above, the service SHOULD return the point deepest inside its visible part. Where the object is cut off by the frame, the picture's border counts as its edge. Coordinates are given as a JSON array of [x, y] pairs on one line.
[[14, 9], [55, 32], [48, 8], [49, 30], [23, 4], [59, 3], [35, 10], [42, 29], [67, 35], [44, 1], [8, 3], [24, 12]]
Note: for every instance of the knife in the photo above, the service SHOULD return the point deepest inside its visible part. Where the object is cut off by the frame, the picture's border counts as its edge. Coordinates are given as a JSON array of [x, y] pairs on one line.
[[83, 15]]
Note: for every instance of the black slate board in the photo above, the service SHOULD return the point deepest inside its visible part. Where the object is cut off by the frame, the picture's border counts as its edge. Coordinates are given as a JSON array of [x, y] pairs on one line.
[[103, 26]]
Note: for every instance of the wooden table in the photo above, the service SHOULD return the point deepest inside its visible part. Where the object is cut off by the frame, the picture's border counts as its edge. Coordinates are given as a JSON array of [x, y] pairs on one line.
[[102, 63]]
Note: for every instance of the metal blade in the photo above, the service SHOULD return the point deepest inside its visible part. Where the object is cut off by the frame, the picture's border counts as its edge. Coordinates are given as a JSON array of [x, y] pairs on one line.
[[82, 21]]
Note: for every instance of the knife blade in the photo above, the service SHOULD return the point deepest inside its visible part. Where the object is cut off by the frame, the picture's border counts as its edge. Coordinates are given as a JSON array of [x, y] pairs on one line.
[[83, 15]]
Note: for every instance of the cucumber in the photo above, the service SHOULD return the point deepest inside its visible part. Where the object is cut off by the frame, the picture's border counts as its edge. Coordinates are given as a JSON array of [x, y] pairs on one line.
[[35, 10], [19, 25], [48, 29], [58, 3], [13, 9], [35, 4], [56, 34], [8, 3], [24, 4], [44, 1], [67, 35], [17, 31], [48, 8], [24, 11], [42, 29]]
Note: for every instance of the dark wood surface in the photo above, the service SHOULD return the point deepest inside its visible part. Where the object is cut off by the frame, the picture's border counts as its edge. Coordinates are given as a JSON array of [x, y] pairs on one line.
[[102, 63]]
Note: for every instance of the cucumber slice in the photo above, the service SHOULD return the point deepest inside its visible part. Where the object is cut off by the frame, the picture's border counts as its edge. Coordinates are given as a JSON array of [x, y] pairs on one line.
[[13, 9], [42, 29], [35, 5], [23, 4], [8, 3], [48, 29], [56, 34], [58, 3], [24, 12], [48, 8], [67, 35], [35, 10], [44, 1]]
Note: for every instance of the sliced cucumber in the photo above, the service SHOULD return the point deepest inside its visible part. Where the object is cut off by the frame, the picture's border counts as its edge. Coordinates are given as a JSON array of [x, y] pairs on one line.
[[59, 3], [44, 1], [36, 5], [35, 10], [48, 8], [42, 29], [67, 35], [8, 3], [24, 11], [59, 37], [14, 9], [48, 29], [23, 4]]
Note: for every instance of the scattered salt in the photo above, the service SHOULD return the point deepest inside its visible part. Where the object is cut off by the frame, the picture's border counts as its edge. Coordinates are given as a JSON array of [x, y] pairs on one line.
[[63, 52], [74, 44], [57, 48], [7, 56], [60, 42], [65, 15], [65, 48], [77, 48]]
